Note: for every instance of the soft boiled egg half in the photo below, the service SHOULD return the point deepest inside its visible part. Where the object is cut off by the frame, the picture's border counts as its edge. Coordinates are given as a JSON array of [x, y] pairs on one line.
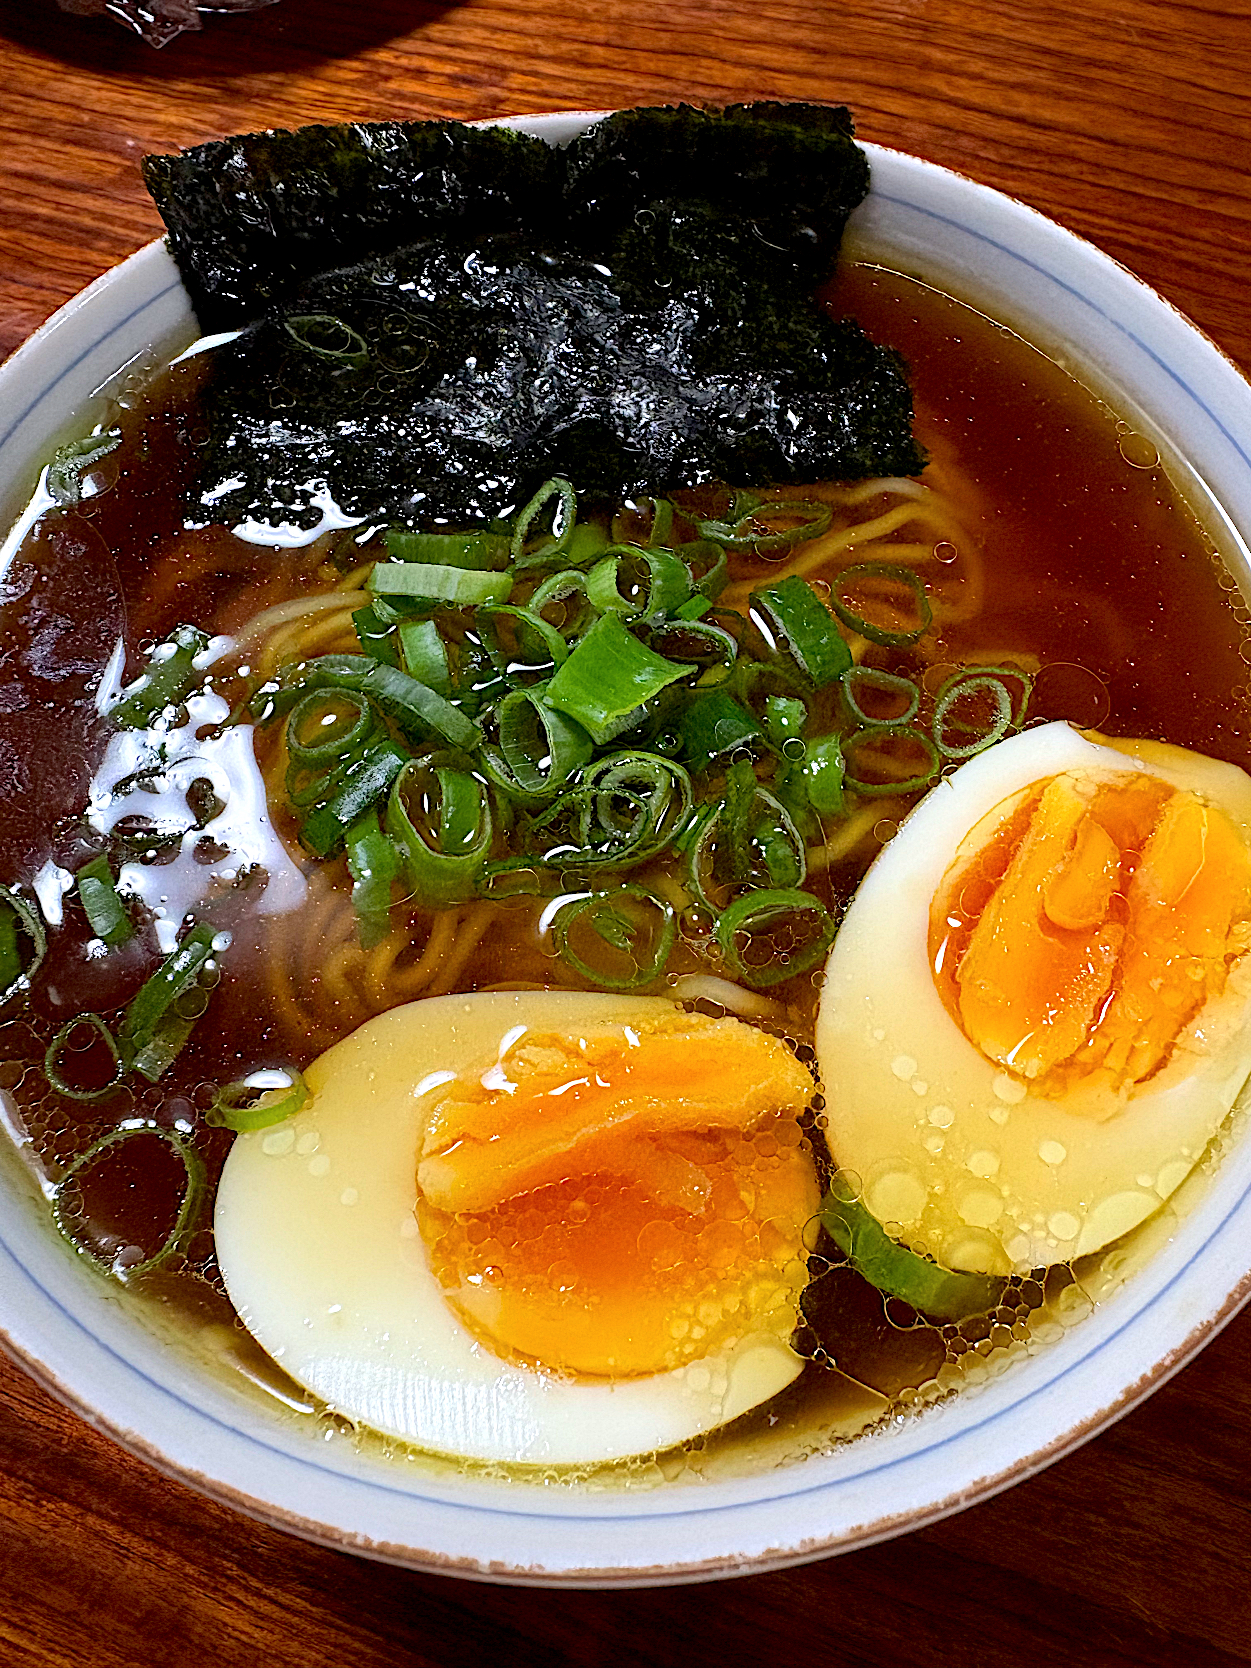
[[1037, 1011], [531, 1227]]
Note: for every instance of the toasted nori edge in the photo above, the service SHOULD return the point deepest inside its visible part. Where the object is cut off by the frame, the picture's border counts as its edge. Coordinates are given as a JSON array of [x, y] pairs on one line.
[[252, 217], [789, 173], [638, 311]]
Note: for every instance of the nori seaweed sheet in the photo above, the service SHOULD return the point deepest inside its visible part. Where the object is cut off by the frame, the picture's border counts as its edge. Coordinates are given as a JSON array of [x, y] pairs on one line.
[[252, 217], [651, 323]]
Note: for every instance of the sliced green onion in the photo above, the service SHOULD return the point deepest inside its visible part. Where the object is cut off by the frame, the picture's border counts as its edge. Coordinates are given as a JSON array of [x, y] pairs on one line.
[[412, 705], [544, 640], [366, 781], [329, 724], [785, 718], [481, 551], [824, 772], [940, 1293], [752, 518], [858, 678], [779, 842], [259, 1100], [193, 1193], [328, 337], [560, 495], [68, 464], [60, 1046], [707, 565], [1007, 713], [373, 864], [539, 747], [166, 681], [1005, 674], [424, 654], [761, 917], [662, 521], [695, 640], [307, 788], [104, 909], [747, 831], [859, 748], [1000, 724], [440, 820], [639, 800], [608, 677], [18, 920], [635, 927], [693, 607], [893, 574], [666, 587], [457, 587], [159, 1018], [557, 589], [587, 541], [754, 681], [376, 634], [713, 725], [805, 627]]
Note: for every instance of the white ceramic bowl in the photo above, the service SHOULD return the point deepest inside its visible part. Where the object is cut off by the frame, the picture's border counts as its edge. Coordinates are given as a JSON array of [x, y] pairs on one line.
[[79, 1339]]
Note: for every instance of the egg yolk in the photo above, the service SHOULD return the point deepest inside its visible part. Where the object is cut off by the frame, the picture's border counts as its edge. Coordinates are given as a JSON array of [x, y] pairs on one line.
[[1091, 926], [625, 1200]]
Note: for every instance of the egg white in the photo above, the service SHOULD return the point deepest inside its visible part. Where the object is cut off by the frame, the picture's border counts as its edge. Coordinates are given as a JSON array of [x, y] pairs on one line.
[[318, 1244], [958, 1157]]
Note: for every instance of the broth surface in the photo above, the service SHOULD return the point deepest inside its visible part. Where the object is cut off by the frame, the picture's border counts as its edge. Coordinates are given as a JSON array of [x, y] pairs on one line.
[[1092, 572]]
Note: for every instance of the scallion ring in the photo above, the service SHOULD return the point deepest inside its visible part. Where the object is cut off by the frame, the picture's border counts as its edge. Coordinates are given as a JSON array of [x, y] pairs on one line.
[[531, 634], [188, 1210], [432, 583], [892, 574], [1000, 721], [662, 521], [439, 818], [564, 501], [855, 748], [660, 583], [620, 782], [1005, 674], [701, 641], [104, 910], [858, 678], [753, 529], [538, 748], [760, 840], [564, 837], [761, 918], [708, 566], [327, 725], [61, 1045], [630, 923], [260, 1099], [798, 621]]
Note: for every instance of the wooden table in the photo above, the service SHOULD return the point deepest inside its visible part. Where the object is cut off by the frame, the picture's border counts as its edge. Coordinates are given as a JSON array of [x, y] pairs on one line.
[[1130, 123]]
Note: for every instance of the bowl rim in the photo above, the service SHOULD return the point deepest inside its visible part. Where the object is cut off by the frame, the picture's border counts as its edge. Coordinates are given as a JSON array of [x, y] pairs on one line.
[[1164, 1307]]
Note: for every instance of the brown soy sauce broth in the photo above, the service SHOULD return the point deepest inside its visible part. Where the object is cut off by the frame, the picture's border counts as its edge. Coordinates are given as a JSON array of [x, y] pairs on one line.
[[1094, 569]]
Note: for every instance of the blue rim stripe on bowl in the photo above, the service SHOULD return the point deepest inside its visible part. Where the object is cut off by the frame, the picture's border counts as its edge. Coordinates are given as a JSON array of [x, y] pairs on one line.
[[86, 353]]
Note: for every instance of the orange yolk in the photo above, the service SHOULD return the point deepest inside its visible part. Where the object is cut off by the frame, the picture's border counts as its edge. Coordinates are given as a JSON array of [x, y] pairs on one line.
[[624, 1200], [1091, 927]]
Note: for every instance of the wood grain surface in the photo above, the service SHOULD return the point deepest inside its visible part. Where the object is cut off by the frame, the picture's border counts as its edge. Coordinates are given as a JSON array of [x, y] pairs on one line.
[[1128, 122]]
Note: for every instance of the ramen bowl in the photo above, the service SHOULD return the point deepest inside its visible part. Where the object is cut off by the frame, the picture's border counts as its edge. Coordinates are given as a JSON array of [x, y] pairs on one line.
[[163, 1399]]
